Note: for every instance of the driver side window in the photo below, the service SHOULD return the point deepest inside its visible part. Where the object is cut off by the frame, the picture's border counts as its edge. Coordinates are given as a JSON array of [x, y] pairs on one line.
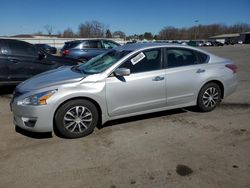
[[148, 60], [20, 48]]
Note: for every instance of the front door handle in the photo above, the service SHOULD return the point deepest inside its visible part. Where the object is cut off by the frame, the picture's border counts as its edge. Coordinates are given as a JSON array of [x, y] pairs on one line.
[[14, 61], [200, 70], [158, 78]]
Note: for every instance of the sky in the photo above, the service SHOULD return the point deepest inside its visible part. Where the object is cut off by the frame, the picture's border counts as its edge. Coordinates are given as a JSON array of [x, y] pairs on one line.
[[130, 16]]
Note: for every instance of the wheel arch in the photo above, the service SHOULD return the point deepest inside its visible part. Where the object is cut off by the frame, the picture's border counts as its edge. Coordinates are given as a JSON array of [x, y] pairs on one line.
[[219, 83], [83, 98]]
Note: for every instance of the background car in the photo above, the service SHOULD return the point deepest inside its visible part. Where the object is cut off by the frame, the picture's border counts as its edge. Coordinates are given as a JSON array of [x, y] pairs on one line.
[[195, 43], [20, 60], [84, 50], [216, 43], [47, 48]]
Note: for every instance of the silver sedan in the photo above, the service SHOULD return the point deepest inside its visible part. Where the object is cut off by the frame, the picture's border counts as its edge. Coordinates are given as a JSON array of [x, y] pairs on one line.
[[126, 81]]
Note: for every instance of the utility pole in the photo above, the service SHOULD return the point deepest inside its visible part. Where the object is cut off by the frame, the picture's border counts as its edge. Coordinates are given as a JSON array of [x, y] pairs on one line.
[[196, 26]]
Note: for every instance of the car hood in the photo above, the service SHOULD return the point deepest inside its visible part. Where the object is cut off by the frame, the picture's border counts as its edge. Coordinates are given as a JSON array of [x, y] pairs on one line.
[[50, 78]]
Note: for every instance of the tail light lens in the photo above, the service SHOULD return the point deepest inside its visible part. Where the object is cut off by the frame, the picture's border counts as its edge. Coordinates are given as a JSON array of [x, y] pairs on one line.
[[232, 67], [65, 52]]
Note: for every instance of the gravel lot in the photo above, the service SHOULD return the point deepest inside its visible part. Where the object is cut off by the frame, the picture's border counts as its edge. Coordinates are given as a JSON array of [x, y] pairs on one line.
[[144, 151]]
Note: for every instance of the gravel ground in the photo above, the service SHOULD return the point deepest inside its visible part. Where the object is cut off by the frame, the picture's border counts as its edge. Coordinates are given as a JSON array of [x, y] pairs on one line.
[[177, 148]]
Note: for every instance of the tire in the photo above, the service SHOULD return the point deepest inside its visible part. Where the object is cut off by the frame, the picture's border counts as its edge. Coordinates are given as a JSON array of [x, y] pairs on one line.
[[209, 97], [76, 118]]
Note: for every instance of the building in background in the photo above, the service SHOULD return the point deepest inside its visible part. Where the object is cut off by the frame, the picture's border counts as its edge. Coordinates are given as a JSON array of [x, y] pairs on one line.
[[245, 37], [233, 38]]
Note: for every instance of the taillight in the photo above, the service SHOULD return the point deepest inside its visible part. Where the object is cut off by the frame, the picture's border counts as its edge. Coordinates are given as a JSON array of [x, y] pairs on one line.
[[65, 52], [232, 67]]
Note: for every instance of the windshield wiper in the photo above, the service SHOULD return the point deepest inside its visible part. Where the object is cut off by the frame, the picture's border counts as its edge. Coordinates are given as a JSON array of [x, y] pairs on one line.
[[76, 69]]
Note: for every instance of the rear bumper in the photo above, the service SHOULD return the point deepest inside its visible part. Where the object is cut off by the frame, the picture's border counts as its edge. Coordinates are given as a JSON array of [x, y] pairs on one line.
[[230, 85]]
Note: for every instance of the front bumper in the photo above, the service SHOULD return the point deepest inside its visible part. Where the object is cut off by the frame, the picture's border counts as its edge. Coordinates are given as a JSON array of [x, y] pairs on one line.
[[32, 118]]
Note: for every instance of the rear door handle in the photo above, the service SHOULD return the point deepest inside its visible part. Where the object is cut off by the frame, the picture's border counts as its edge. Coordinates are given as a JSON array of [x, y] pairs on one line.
[[158, 78], [14, 61], [200, 71]]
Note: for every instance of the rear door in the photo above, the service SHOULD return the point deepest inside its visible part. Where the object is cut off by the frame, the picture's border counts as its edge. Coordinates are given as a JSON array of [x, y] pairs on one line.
[[92, 48], [184, 74], [4, 70]]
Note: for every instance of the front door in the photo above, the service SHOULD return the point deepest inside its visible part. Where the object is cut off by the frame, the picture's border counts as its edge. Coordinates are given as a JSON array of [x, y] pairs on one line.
[[4, 70], [20, 58], [144, 89]]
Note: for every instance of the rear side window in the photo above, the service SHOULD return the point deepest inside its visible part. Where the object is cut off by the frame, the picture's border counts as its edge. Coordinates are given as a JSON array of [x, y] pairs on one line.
[[69, 45], [95, 44], [21, 48], [203, 57], [177, 57], [109, 44], [148, 60]]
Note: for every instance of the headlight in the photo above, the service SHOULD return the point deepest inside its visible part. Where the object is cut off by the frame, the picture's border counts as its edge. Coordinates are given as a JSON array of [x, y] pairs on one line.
[[37, 99]]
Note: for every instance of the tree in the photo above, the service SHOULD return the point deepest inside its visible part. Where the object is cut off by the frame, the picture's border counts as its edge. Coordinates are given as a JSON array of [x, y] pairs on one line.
[[49, 29], [93, 29], [148, 36], [68, 33], [108, 34], [38, 33], [119, 34]]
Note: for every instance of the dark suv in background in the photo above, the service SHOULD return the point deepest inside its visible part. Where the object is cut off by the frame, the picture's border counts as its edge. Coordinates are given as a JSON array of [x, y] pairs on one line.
[[20, 60], [84, 50], [47, 48]]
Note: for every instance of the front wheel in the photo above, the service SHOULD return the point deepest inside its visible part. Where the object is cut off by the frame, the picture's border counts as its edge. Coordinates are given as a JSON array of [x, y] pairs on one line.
[[209, 97], [76, 118]]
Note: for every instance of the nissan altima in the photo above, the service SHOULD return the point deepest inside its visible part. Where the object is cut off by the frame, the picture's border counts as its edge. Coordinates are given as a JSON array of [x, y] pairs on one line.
[[125, 81]]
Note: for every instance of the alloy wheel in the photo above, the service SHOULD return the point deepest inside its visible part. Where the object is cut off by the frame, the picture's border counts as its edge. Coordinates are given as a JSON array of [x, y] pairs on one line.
[[210, 97], [77, 119]]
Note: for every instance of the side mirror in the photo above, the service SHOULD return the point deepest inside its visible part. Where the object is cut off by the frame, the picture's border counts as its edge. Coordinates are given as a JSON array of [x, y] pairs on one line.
[[41, 55], [122, 72]]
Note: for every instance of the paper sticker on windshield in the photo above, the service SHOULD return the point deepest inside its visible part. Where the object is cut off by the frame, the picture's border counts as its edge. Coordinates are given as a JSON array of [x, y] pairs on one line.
[[137, 58]]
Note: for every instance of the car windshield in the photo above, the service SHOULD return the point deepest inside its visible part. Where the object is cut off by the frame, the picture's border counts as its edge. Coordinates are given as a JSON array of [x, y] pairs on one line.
[[102, 62]]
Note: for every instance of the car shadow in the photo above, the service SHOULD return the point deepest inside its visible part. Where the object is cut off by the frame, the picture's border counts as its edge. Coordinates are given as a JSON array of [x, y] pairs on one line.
[[143, 117], [109, 123], [33, 134]]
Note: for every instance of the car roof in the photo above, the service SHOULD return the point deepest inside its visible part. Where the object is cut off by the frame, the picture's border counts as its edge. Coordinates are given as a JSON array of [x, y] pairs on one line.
[[88, 39], [140, 46], [149, 45]]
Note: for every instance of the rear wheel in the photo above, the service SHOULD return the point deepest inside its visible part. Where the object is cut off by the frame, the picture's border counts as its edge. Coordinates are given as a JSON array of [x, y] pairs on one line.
[[76, 118], [209, 97]]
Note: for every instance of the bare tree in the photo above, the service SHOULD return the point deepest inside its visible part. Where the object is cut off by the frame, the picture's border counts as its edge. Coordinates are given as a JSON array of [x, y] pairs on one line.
[[49, 29], [201, 31], [119, 34], [38, 33], [93, 29], [68, 33], [108, 34]]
